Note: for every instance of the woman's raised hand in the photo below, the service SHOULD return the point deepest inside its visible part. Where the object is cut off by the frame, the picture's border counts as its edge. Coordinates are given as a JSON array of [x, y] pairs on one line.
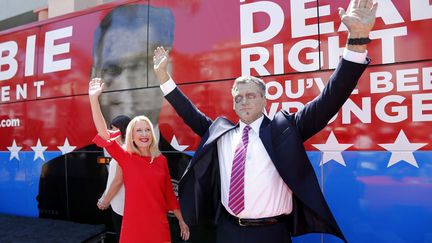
[[95, 88]]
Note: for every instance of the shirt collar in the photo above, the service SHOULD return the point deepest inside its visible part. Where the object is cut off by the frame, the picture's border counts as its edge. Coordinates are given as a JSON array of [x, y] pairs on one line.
[[254, 125]]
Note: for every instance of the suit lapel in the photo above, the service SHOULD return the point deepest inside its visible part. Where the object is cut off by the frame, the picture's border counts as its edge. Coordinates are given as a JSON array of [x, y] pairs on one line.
[[219, 127], [265, 136]]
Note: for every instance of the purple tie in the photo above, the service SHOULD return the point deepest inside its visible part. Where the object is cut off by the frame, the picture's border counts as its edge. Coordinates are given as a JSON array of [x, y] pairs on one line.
[[236, 193]]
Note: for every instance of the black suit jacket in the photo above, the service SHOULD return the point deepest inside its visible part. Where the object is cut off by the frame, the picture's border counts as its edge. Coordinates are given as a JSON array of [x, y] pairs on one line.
[[283, 139]]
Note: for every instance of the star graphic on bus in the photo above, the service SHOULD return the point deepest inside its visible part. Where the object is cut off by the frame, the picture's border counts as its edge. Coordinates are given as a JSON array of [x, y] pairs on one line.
[[175, 144], [332, 150], [66, 148], [402, 150], [14, 149], [39, 149]]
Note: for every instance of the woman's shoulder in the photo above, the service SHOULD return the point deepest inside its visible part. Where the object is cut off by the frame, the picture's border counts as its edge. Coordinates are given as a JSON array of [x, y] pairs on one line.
[[160, 157]]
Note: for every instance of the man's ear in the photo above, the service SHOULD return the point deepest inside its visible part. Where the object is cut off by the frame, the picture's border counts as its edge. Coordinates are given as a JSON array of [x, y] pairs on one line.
[[264, 111]]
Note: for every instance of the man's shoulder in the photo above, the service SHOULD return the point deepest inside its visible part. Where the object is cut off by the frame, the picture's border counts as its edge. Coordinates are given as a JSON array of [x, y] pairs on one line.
[[283, 118], [283, 115], [222, 120], [221, 124]]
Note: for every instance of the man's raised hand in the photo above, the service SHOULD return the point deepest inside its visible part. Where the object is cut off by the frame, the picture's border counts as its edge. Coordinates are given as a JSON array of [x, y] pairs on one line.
[[160, 58], [359, 17], [160, 64]]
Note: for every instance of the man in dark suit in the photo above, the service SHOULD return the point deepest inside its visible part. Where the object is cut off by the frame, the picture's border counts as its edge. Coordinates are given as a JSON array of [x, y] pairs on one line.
[[254, 179]]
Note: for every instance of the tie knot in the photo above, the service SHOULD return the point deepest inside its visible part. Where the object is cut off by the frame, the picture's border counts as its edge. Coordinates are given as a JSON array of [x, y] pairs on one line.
[[246, 129]]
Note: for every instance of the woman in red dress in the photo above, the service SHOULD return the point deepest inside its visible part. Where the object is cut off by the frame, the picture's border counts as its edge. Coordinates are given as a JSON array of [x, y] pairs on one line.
[[148, 190]]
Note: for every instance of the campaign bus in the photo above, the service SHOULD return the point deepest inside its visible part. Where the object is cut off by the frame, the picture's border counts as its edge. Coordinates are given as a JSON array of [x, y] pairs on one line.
[[373, 160]]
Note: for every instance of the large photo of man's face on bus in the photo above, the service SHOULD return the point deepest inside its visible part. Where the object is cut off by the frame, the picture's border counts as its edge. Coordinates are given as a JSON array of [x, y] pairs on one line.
[[122, 57], [123, 49]]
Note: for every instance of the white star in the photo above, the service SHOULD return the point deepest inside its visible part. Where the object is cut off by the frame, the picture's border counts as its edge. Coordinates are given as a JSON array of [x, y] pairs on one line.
[[14, 149], [66, 148], [176, 145], [402, 150], [332, 150], [39, 149]]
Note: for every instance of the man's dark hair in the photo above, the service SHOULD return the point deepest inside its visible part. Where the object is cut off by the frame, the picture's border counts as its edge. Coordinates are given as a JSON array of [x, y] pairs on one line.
[[121, 122], [134, 16]]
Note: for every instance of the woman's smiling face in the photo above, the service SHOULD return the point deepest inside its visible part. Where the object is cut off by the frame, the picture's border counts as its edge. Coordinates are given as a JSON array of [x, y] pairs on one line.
[[142, 135]]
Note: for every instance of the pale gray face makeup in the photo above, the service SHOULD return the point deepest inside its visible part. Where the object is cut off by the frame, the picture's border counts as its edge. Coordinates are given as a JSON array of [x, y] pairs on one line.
[[248, 102]]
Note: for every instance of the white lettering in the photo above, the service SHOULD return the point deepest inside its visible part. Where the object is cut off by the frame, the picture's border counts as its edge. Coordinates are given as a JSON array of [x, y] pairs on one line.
[[402, 80], [38, 85], [427, 78], [258, 65], [419, 107], [11, 48], [21, 91], [388, 12], [299, 15], [319, 83], [334, 51], [294, 54], [273, 11], [10, 122], [273, 85], [363, 114], [420, 9], [5, 93], [51, 50], [400, 112], [380, 82], [30, 56], [289, 90], [278, 59], [387, 37]]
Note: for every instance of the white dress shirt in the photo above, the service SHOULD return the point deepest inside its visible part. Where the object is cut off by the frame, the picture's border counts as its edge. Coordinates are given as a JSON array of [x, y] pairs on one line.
[[117, 202], [265, 193]]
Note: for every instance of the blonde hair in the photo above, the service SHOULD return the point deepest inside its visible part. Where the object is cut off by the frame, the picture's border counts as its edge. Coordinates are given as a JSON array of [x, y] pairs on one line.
[[131, 146]]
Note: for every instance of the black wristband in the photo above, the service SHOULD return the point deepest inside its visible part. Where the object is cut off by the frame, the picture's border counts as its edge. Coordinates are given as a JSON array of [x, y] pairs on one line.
[[359, 41]]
